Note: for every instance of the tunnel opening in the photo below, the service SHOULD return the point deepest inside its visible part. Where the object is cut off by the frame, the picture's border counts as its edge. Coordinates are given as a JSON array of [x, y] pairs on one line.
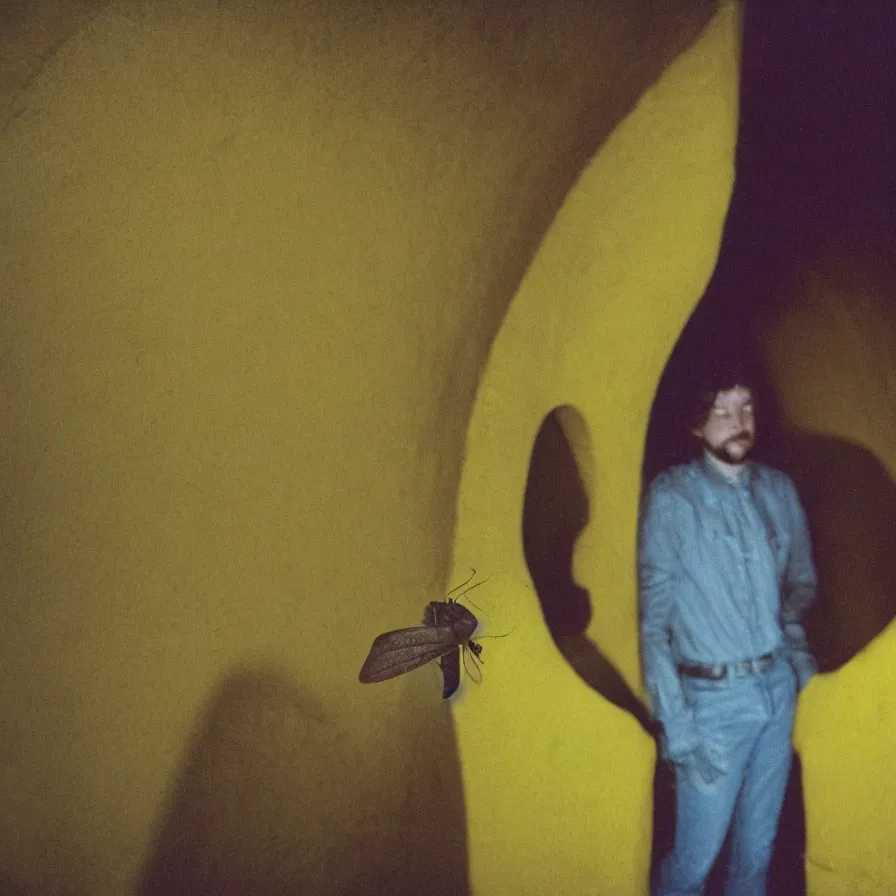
[[556, 510]]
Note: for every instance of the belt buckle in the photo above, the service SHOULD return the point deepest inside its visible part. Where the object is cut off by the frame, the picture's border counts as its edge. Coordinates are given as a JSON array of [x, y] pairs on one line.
[[755, 665]]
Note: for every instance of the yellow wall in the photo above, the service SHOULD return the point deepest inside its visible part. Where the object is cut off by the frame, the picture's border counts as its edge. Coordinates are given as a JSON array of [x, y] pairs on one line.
[[832, 349], [557, 780], [253, 257]]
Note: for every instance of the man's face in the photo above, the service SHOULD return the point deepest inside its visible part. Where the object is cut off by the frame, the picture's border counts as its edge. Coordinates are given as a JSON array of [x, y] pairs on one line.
[[729, 432]]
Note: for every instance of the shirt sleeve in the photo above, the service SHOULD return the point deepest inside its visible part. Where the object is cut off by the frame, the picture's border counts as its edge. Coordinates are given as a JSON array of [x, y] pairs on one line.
[[798, 593], [658, 574]]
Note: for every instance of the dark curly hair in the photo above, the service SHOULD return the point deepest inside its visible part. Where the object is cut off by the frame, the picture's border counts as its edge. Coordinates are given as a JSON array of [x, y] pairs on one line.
[[705, 386]]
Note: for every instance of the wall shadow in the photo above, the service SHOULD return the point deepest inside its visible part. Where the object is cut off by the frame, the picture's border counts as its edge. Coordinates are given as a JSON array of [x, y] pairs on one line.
[[11, 887], [555, 512], [251, 811], [850, 501], [8, 888]]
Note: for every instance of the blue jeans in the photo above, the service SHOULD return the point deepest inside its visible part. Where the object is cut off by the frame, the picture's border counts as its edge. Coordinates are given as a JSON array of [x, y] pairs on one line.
[[746, 724]]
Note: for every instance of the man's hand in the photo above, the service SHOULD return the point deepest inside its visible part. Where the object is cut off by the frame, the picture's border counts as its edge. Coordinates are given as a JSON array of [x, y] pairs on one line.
[[703, 764], [805, 668]]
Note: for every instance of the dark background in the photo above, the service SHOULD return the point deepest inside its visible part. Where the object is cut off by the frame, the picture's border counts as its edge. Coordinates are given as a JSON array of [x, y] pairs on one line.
[[815, 179]]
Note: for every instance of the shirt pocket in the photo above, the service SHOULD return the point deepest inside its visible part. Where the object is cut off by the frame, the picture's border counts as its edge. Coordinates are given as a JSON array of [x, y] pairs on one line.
[[721, 544]]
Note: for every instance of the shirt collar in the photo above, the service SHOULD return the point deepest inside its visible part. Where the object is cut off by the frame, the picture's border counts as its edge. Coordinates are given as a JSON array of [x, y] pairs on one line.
[[716, 476]]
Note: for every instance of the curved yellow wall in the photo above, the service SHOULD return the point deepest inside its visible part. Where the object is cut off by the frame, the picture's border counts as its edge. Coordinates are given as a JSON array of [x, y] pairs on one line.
[[254, 255], [557, 780]]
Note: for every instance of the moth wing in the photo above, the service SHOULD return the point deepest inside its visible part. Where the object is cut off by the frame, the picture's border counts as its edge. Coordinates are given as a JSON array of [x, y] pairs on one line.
[[394, 653], [450, 664]]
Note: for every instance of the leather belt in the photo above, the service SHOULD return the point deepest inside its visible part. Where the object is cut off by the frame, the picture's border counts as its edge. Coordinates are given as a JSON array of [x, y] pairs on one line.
[[718, 671]]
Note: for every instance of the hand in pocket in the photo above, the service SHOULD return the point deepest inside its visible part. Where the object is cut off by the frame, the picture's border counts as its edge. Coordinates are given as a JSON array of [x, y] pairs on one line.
[[705, 764]]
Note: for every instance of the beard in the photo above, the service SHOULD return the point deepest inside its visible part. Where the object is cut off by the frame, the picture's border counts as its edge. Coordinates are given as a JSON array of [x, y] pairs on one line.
[[723, 452]]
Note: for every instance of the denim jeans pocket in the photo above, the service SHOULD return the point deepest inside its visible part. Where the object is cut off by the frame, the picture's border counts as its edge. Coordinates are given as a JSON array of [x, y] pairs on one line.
[[708, 765]]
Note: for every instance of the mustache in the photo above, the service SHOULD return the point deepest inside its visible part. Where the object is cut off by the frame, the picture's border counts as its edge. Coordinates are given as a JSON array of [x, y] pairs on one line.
[[741, 437]]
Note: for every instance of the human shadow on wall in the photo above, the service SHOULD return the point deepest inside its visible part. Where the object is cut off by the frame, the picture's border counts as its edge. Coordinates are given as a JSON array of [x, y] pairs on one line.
[[255, 811], [555, 512], [850, 502]]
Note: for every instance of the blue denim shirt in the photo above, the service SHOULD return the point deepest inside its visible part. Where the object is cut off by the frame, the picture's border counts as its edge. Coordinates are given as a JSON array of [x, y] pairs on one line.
[[725, 574]]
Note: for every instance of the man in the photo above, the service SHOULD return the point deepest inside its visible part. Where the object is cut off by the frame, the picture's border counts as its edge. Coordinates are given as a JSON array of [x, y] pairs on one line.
[[726, 576]]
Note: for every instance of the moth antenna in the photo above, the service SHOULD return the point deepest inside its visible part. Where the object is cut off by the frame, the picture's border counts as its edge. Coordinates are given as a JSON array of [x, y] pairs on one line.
[[458, 587], [468, 590], [480, 637]]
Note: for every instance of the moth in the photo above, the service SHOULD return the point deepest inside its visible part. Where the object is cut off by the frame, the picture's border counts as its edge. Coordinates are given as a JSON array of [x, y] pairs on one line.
[[446, 631]]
